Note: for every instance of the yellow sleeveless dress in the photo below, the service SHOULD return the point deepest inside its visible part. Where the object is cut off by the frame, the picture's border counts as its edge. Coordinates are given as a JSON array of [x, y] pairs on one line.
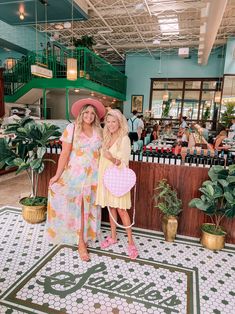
[[103, 196]]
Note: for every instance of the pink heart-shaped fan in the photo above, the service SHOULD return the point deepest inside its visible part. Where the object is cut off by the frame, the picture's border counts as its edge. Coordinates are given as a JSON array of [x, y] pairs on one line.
[[119, 181]]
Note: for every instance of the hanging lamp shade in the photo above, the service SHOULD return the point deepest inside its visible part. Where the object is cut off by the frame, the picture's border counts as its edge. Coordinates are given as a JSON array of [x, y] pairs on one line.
[[165, 95], [72, 71], [217, 96]]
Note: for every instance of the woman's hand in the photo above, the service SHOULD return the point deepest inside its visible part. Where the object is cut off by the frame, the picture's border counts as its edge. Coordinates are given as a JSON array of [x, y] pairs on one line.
[[53, 180], [108, 155]]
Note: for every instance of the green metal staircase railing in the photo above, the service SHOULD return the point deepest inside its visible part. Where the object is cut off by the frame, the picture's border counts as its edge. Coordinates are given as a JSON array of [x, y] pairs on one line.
[[89, 66]]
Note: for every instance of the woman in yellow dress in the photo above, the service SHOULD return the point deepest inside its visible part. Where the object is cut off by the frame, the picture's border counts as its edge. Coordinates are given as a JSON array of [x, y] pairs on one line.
[[115, 150]]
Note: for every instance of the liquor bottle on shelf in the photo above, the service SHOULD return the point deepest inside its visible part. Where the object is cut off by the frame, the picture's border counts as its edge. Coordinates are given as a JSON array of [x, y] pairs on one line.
[[137, 155], [132, 154], [194, 159], [201, 160], [150, 156], [178, 161], [145, 155], [48, 146], [187, 161], [229, 160], [173, 157], [156, 156], [58, 147], [167, 157], [222, 159], [208, 160], [215, 160], [161, 156]]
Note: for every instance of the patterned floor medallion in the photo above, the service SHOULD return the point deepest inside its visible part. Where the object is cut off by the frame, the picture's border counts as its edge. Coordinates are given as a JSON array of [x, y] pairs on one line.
[[180, 277]]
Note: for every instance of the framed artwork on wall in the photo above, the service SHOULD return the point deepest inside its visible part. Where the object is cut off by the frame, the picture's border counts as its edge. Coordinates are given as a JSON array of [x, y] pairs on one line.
[[137, 102]]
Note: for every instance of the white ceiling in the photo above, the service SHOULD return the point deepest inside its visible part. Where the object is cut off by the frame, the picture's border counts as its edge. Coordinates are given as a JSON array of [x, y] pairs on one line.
[[130, 26]]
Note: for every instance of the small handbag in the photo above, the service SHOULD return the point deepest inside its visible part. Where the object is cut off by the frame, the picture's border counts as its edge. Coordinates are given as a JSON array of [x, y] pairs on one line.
[[119, 181]]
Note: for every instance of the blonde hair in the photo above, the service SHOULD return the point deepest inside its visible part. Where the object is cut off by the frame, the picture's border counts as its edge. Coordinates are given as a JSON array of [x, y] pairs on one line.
[[122, 131], [79, 122]]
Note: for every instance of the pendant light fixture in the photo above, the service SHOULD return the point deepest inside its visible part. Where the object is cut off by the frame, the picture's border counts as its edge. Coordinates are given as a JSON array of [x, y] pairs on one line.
[[40, 69], [72, 71]]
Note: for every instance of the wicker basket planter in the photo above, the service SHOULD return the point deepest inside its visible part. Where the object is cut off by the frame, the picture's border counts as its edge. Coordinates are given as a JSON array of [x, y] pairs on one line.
[[34, 214]]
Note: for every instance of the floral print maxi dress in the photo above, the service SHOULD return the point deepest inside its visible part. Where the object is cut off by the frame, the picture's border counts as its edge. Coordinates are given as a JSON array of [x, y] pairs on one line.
[[78, 182]]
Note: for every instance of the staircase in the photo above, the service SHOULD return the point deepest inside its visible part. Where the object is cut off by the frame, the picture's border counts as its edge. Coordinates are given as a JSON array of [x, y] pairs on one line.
[[94, 74]]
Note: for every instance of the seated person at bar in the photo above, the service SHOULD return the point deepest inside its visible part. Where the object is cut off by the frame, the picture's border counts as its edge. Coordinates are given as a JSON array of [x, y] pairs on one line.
[[218, 143], [155, 133], [204, 131]]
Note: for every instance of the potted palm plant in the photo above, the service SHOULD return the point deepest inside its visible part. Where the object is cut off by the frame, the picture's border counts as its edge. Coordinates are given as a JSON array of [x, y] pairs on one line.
[[26, 150], [170, 205], [217, 201]]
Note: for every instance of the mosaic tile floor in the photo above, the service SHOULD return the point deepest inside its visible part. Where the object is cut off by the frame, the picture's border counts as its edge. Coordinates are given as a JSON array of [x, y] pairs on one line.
[[179, 277]]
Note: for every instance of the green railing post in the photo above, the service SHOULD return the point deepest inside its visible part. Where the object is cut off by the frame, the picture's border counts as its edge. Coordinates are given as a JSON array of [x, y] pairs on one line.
[[44, 103], [67, 104]]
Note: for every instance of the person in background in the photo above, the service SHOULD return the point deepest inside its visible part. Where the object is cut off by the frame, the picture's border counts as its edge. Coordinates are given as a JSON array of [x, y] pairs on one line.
[[183, 122], [134, 126], [185, 137], [141, 126], [155, 133], [204, 131], [231, 133], [218, 143], [72, 216], [115, 150]]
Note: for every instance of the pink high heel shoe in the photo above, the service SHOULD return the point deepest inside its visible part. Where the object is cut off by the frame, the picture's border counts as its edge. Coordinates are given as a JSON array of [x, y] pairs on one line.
[[107, 242], [132, 251]]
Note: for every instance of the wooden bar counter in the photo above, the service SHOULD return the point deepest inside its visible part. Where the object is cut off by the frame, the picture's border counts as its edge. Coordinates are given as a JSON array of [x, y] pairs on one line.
[[186, 180]]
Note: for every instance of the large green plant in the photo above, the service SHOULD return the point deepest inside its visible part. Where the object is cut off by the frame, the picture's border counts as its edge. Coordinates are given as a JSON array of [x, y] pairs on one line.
[[84, 41], [218, 195], [228, 115], [166, 199], [27, 148]]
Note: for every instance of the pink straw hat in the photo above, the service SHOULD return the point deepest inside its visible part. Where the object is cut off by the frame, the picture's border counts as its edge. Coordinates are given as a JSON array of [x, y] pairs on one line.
[[77, 106]]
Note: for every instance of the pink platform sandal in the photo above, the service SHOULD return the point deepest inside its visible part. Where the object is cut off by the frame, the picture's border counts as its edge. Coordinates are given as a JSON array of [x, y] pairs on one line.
[[107, 242], [132, 251]]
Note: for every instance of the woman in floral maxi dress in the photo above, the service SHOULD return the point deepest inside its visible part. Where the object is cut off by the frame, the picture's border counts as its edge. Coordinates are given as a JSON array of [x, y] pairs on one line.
[[73, 216]]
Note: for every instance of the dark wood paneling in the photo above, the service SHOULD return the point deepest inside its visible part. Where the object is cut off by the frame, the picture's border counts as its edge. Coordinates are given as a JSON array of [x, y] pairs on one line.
[[186, 180]]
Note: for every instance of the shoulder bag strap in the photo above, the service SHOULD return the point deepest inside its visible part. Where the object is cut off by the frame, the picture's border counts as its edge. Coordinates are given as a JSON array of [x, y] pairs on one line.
[[133, 222]]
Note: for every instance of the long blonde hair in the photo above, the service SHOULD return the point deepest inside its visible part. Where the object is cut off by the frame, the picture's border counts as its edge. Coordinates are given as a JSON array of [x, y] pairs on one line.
[[122, 131], [79, 121]]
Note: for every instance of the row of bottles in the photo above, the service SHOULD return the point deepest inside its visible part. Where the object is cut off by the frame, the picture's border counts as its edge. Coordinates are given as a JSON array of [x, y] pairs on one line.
[[54, 147], [172, 157], [157, 156], [195, 160]]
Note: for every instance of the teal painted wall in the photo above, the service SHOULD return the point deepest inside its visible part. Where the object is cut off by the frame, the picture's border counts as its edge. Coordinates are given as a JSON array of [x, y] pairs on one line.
[[229, 67], [21, 36], [140, 69]]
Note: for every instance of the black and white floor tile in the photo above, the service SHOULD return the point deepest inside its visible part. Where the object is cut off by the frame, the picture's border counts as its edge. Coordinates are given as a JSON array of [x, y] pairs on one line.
[[180, 277]]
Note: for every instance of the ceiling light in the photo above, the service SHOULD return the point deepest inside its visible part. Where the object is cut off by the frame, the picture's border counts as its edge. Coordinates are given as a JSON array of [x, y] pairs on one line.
[[156, 42], [72, 73], [21, 16], [77, 90], [67, 25], [59, 26]]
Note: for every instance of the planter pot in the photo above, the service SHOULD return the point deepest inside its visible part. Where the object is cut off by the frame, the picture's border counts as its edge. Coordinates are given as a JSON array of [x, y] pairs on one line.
[[34, 214], [169, 227], [212, 241]]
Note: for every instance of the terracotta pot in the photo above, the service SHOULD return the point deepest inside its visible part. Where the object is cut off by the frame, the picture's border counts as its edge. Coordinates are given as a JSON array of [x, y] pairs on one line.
[[212, 241], [169, 227]]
